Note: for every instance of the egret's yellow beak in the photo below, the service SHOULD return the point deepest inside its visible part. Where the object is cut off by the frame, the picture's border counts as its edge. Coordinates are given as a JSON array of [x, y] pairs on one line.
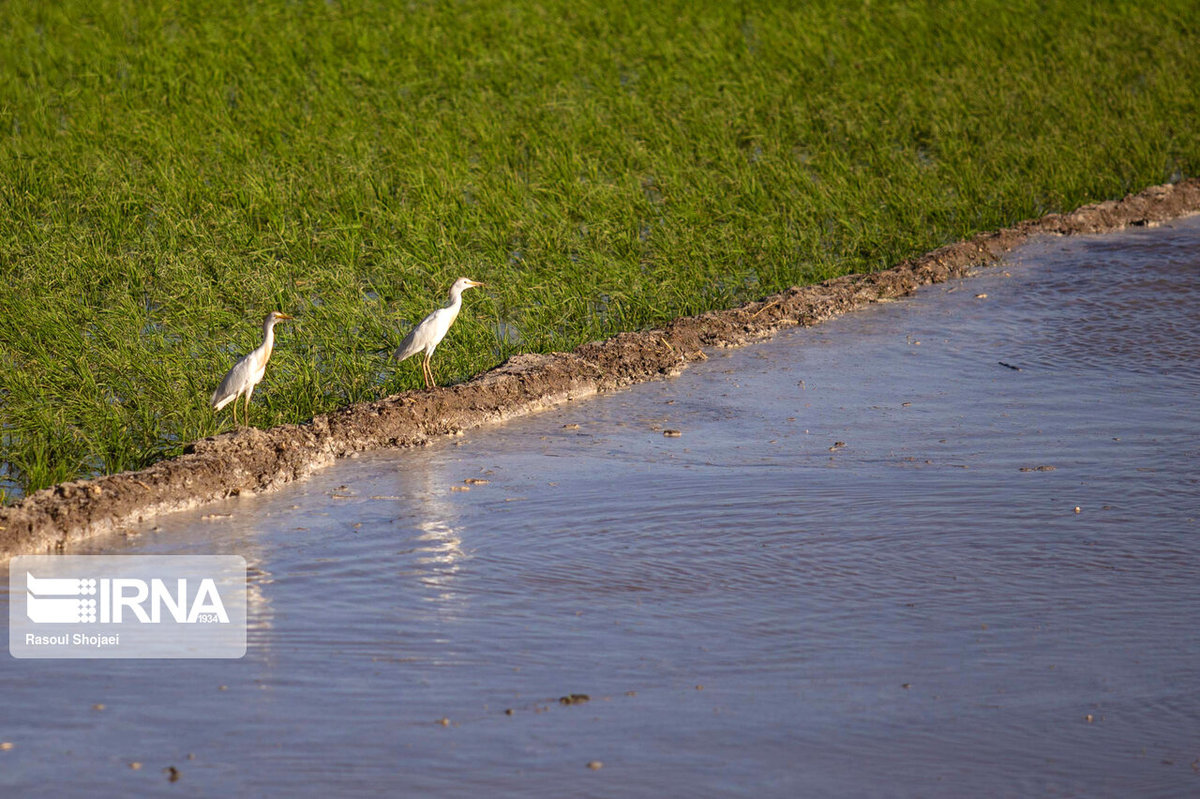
[[475, 283], [281, 317]]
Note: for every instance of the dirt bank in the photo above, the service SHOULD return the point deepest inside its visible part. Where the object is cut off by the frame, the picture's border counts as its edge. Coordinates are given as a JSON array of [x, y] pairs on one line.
[[251, 460]]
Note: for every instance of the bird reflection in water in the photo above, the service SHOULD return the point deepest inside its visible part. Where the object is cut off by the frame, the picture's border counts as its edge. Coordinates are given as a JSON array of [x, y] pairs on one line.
[[439, 555]]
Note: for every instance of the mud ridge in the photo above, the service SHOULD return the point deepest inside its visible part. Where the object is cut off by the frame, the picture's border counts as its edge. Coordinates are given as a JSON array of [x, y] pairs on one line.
[[251, 460]]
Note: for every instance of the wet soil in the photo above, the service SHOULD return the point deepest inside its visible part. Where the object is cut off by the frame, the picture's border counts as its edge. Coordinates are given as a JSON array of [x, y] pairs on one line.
[[252, 460]]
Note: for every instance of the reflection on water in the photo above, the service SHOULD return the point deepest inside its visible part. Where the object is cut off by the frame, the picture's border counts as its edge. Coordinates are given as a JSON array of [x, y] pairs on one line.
[[259, 613], [439, 549], [876, 561]]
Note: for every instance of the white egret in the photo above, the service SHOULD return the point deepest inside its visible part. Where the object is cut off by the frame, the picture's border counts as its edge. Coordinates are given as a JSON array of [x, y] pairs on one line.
[[249, 371], [427, 335]]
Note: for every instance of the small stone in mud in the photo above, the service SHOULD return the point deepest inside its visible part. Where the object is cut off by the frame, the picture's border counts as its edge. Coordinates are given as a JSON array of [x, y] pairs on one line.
[[476, 481], [1089, 718], [595, 765], [571, 426], [1078, 509], [508, 711], [573, 699], [906, 685], [699, 687], [672, 433], [135, 765], [97, 706], [172, 774], [445, 722]]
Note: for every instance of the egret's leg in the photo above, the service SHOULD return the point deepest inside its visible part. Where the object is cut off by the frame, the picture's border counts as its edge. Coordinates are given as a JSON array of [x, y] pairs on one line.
[[235, 401], [427, 372], [249, 391]]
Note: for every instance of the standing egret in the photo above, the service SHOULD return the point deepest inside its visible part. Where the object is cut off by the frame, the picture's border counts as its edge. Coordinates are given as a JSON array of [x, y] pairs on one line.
[[427, 335], [247, 372]]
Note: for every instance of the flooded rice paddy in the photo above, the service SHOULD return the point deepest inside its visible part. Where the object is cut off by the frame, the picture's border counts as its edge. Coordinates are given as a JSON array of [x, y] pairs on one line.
[[946, 546]]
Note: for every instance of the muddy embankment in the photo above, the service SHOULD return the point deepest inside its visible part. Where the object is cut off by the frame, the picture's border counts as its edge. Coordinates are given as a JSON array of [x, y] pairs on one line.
[[252, 460]]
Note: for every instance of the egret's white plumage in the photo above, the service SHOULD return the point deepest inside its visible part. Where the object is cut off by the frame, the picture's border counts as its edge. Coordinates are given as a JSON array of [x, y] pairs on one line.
[[427, 335], [249, 371]]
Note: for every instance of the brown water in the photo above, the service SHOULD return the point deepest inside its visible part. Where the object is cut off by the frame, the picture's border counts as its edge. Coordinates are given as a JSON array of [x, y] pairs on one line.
[[753, 609]]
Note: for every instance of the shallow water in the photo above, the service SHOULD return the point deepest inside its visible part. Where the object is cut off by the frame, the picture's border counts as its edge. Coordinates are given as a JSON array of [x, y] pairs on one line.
[[846, 577]]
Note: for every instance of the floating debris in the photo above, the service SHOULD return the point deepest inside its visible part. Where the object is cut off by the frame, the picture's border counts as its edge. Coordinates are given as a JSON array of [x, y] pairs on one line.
[[445, 722], [6, 745], [1009, 366], [571, 426], [1037, 468], [460, 488], [981, 296], [172, 774], [595, 765], [837, 445], [573, 699], [135, 765], [476, 481], [672, 433]]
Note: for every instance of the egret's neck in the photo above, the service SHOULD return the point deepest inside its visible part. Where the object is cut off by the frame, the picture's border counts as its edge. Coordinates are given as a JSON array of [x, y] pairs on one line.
[[455, 298], [268, 336]]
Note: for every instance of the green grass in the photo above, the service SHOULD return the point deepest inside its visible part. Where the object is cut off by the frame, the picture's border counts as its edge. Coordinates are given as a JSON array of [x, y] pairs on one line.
[[169, 172]]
